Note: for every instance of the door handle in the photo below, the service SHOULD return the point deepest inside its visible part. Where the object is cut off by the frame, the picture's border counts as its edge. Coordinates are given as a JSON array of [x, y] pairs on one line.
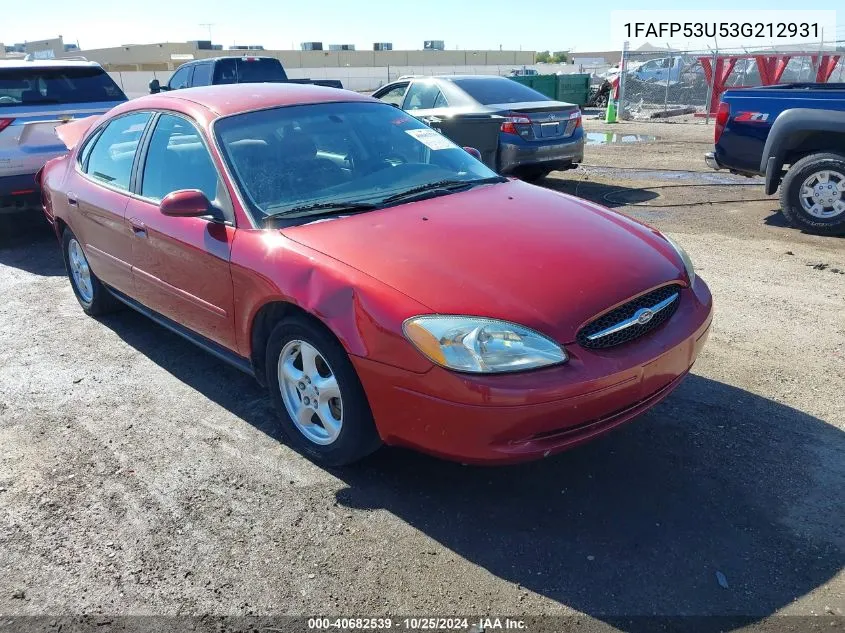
[[138, 228], [71, 199]]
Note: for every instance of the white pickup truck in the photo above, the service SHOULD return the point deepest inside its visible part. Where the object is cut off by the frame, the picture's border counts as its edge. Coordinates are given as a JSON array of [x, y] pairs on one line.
[[35, 97]]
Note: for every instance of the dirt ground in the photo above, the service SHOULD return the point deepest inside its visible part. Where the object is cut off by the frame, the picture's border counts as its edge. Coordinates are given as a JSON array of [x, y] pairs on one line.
[[139, 475]]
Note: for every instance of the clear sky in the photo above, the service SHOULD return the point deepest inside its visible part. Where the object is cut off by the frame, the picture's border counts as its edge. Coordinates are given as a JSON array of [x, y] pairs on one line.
[[534, 25]]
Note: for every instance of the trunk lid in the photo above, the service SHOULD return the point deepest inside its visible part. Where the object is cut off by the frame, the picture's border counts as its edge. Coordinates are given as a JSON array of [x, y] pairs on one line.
[[547, 120]]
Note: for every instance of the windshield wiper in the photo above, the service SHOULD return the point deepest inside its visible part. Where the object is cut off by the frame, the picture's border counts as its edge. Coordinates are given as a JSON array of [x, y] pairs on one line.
[[323, 208], [441, 186]]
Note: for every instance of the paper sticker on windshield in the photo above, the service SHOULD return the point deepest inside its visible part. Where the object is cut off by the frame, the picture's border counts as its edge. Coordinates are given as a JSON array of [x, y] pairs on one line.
[[431, 139]]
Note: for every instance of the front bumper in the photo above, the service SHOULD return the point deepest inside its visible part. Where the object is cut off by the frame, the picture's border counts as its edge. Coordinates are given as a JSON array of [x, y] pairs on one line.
[[710, 160], [19, 193], [558, 155], [530, 415]]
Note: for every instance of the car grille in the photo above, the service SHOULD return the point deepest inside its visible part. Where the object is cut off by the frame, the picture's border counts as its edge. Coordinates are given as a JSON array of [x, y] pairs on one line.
[[624, 318]]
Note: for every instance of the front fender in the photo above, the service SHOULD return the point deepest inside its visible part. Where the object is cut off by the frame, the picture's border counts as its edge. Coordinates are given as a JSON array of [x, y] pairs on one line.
[[363, 313], [788, 131]]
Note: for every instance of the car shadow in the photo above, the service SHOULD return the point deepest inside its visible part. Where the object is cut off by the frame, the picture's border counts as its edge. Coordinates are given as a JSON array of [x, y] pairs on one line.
[[776, 218], [27, 242], [607, 195], [717, 502]]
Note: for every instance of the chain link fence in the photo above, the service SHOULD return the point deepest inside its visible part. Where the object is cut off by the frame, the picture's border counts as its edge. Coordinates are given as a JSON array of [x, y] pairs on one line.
[[669, 83]]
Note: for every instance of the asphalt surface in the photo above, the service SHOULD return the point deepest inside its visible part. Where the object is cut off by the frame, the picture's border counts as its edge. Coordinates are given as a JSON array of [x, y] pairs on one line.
[[139, 475]]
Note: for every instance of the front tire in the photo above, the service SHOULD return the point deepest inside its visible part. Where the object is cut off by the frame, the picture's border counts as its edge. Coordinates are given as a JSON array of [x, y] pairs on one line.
[[812, 195], [92, 295], [321, 404]]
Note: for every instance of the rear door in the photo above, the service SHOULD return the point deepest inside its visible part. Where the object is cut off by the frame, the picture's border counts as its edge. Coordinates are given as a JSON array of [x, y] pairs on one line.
[[181, 265], [98, 191], [35, 99]]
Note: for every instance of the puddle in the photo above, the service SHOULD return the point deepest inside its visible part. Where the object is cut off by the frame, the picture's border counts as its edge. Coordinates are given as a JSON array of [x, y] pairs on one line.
[[608, 138], [714, 177]]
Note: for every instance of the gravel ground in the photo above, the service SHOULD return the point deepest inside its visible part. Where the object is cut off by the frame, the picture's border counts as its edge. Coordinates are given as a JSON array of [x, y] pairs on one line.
[[139, 475]]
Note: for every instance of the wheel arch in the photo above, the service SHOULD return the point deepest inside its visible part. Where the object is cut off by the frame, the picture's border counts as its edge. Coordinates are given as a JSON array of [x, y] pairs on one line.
[[262, 324], [796, 133]]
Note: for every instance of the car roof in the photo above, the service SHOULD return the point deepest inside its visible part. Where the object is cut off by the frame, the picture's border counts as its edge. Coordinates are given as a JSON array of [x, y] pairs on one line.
[[450, 77], [46, 63], [221, 57], [229, 99]]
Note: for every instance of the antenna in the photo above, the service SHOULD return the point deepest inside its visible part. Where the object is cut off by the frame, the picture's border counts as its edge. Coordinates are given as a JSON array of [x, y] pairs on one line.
[[208, 25]]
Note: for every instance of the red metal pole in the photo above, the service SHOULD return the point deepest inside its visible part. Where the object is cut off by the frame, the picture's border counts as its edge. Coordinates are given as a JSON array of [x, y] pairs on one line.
[[781, 66], [826, 67]]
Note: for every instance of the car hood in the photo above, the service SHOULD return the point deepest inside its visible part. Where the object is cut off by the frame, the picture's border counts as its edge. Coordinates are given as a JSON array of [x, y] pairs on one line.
[[509, 251]]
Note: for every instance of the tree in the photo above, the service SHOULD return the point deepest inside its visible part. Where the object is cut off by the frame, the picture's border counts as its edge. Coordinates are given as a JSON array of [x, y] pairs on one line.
[[546, 57]]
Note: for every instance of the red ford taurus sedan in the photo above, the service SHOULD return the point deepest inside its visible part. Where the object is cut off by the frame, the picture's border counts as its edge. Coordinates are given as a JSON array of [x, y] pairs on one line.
[[385, 286]]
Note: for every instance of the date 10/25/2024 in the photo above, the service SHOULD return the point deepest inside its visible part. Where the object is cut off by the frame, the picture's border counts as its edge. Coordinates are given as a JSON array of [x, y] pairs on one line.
[[471, 625]]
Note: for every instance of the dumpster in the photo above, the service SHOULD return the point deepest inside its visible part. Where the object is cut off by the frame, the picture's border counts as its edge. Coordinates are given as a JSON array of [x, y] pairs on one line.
[[573, 88], [544, 84]]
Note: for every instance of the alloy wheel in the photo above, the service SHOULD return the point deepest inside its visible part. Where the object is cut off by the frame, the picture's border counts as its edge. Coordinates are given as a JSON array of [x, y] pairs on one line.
[[80, 271], [310, 392], [823, 194]]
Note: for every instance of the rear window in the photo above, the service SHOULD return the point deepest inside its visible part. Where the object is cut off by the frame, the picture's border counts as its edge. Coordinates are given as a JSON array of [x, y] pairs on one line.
[[258, 70], [488, 90], [254, 70], [34, 86]]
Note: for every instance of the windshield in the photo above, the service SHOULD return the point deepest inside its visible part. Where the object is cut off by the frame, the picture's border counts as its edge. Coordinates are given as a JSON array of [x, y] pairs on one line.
[[56, 85], [317, 155], [488, 90]]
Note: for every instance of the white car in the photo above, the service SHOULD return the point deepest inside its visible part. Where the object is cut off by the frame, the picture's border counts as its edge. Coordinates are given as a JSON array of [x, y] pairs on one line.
[[35, 97]]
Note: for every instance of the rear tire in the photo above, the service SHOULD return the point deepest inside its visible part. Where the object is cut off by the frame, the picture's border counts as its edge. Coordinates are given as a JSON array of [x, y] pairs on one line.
[[822, 176], [92, 295], [321, 403]]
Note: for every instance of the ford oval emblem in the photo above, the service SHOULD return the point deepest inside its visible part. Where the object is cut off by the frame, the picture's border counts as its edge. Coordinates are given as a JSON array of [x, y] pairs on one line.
[[644, 316]]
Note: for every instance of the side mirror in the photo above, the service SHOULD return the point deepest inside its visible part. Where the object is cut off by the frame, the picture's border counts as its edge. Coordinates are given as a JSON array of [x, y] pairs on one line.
[[155, 86], [473, 152], [395, 105], [187, 203]]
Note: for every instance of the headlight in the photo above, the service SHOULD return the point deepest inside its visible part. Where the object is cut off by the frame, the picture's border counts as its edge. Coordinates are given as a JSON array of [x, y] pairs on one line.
[[479, 345], [684, 257]]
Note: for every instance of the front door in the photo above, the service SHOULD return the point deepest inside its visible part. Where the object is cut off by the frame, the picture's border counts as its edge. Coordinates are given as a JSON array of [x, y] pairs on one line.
[[181, 265]]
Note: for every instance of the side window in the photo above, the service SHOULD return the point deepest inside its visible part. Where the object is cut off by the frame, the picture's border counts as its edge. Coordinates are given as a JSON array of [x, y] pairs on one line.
[[110, 159], [226, 71], [440, 101], [180, 78], [177, 159], [422, 95], [82, 158], [202, 75], [395, 95]]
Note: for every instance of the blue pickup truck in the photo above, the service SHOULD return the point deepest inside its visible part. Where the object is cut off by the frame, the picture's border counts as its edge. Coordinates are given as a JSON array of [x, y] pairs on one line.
[[794, 135]]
